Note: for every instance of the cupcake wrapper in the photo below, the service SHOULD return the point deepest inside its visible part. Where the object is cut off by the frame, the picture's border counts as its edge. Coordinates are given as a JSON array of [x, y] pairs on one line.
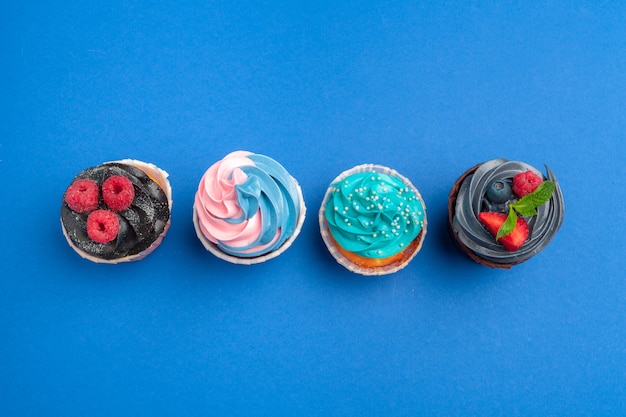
[[215, 250], [160, 177], [412, 249]]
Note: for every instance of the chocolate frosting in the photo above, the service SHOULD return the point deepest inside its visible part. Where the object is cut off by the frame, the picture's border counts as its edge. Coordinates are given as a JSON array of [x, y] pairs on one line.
[[140, 224], [471, 200]]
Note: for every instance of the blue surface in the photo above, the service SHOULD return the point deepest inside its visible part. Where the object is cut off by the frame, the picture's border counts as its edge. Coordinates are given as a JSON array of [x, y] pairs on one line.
[[319, 86]]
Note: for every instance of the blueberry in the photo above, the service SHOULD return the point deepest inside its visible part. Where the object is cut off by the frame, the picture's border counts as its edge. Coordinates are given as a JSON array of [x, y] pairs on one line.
[[499, 191]]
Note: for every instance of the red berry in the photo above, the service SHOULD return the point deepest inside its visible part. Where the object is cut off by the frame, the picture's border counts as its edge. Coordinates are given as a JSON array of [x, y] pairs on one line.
[[525, 183], [118, 192], [514, 240], [82, 196], [492, 221], [102, 226]]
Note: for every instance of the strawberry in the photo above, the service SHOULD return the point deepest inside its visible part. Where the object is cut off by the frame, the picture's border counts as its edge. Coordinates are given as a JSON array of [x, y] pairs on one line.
[[526, 182], [514, 240]]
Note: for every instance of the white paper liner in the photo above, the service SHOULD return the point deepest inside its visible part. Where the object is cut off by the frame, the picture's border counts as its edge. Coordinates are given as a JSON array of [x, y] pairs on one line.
[[215, 250], [331, 245], [160, 177]]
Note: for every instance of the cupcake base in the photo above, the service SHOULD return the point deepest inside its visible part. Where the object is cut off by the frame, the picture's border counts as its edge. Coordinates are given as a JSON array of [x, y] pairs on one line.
[[389, 268]]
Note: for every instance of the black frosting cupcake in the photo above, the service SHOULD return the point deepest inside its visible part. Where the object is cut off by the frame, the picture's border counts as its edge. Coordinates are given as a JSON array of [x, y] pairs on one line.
[[117, 212], [479, 191]]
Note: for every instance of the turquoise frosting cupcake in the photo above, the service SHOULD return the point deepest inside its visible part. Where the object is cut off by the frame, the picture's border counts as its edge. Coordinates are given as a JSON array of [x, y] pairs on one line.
[[373, 220]]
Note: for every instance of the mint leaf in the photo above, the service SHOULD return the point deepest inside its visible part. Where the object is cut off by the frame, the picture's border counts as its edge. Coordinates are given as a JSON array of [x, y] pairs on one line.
[[525, 208], [543, 193], [508, 225], [538, 197]]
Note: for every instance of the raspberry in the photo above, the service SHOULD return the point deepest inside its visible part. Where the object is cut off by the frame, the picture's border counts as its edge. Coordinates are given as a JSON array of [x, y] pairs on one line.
[[82, 196], [102, 226], [525, 183], [118, 192]]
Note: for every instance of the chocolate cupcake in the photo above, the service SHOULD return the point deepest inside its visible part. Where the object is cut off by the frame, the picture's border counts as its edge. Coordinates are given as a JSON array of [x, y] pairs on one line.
[[502, 213], [117, 212], [372, 220]]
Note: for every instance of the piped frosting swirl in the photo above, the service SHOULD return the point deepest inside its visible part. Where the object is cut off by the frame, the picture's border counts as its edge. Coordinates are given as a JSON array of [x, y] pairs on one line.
[[471, 200], [247, 204], [374, 214]]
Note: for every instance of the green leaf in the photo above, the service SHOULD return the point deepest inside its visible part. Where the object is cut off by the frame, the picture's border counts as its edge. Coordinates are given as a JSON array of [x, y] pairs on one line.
[[525, 208], [542, 194], [508, 225], [527, 205]]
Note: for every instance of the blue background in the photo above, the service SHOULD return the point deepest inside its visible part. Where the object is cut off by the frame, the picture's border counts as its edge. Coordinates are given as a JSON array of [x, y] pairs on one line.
[[427, 89]]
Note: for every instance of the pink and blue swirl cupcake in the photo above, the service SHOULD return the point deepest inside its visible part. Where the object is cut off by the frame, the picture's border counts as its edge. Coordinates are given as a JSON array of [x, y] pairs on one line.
[[248, 209]]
